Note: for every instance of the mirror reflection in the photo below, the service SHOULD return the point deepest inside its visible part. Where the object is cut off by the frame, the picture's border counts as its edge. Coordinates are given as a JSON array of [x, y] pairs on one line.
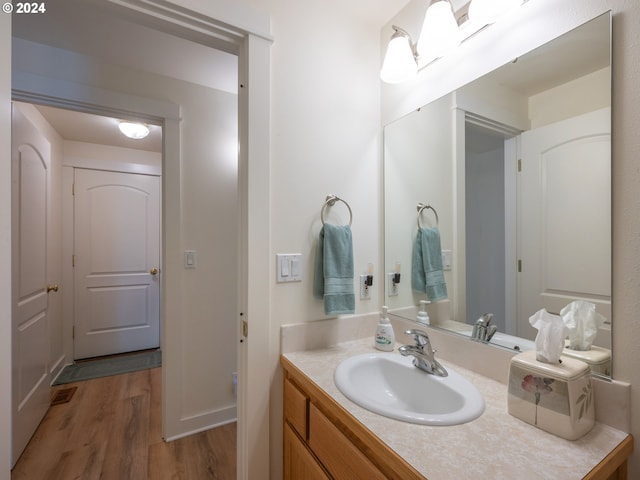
[[512, 173]]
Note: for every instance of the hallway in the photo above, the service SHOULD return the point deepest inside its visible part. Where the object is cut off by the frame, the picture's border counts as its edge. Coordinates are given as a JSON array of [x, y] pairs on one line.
[[111, 429]]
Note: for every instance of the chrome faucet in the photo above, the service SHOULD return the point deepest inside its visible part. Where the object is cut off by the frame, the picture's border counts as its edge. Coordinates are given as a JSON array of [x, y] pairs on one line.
[[423, 354], [482, 330]]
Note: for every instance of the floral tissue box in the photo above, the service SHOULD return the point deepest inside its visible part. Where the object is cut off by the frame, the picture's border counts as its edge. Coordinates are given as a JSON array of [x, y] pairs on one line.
[[554, 398]]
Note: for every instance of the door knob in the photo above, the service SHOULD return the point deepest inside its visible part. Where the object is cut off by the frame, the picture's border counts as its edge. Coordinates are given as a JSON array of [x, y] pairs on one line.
[[153, 271], [51, 288]]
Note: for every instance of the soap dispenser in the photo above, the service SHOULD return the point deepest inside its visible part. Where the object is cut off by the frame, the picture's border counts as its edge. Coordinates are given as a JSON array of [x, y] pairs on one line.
[[384, 338], [423, 315]]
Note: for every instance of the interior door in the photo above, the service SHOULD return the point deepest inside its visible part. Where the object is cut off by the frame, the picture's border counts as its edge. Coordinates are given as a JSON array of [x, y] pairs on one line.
[[31, 160], [565, 184], [116, 262]]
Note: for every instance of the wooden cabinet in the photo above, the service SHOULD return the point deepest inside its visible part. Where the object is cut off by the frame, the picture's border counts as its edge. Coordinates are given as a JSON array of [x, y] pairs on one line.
[[324, 441]]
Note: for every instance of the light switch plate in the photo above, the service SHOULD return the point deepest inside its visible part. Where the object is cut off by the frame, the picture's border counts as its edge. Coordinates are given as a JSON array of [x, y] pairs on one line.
[[288, 267], [189, 259]]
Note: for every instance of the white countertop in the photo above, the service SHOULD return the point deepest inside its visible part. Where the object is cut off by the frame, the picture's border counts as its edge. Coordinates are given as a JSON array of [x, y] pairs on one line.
[[494, 446]]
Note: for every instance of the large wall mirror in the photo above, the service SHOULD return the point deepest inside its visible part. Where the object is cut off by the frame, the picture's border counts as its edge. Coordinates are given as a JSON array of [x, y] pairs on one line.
[[516, 169]]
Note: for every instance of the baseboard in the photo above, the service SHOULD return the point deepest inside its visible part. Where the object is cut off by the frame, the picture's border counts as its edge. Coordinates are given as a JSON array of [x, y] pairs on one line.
[[56, 369], [202, 422]]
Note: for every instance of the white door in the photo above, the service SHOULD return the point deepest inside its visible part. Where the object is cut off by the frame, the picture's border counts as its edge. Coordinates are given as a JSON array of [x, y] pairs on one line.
[[116, 262], [31, 159], [566, 195]]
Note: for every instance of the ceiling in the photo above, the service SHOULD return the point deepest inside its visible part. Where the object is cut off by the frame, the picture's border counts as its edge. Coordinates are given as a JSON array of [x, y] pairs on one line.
[[572, 55], [85, 127], [108, 38]]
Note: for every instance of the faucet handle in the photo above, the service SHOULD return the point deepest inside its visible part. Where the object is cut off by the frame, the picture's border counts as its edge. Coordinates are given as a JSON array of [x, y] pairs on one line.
[[485, 319], [420, 337]]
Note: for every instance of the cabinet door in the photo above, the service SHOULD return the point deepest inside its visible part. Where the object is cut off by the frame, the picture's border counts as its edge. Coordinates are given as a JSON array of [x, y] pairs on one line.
[[341, 458], [295, 408], [298, 462]]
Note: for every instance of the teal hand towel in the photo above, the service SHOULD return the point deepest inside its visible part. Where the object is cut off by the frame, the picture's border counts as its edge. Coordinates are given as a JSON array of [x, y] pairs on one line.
[[333, 278], [426, 266]]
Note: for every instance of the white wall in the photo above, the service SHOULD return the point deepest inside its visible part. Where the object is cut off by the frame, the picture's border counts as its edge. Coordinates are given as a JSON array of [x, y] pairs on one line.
[[83, 154], [537, 22], [325, 139], [418, 145], [582, 95]]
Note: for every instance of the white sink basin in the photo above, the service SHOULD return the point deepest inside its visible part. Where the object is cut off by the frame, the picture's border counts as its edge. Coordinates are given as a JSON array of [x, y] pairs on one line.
[[389, 384]]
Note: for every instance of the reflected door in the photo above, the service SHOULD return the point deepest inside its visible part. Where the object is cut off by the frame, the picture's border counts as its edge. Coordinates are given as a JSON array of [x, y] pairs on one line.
[[116, 262], [565, 192]]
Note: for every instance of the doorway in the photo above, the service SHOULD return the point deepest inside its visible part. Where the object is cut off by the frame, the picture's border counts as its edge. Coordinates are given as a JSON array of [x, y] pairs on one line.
[[252, 42], [200, 159]]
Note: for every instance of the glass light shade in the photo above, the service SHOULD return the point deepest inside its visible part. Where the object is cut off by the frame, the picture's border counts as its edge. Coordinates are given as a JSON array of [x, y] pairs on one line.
[[484, 12], [399, 63], [134, 130], [440, 33]]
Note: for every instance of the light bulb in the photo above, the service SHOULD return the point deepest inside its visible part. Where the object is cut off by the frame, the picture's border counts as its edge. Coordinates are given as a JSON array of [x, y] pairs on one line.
[[134, 130], [399, 63], [440, 33]]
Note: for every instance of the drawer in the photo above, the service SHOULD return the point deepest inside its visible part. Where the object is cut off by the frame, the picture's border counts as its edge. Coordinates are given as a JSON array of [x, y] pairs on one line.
[[295, 408], [299, 463], [336, 452]]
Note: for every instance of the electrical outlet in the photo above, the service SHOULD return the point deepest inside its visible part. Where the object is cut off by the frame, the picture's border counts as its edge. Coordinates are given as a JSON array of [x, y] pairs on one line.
[[366, 283], [446, 260], [392, 287]]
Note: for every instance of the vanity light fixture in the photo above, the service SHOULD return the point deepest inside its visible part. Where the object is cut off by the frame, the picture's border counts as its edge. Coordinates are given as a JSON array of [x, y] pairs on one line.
[[440, 33], [486, 12], [133, 130], [399, 63]]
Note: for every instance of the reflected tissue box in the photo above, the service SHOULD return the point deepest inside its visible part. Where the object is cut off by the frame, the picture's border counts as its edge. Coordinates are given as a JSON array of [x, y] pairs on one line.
[[556, 398]]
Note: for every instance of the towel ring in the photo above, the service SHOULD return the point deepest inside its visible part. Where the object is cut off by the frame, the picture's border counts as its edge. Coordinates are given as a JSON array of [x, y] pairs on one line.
[[422, 207], [331, 201]]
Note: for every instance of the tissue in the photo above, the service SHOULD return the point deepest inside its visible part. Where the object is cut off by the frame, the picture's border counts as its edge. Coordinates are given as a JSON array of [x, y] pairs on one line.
[[551, 334], [583, 323]]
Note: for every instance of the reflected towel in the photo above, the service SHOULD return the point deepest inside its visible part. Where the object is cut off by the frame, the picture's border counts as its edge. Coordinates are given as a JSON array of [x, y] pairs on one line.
[[426, 267], [333, 278]]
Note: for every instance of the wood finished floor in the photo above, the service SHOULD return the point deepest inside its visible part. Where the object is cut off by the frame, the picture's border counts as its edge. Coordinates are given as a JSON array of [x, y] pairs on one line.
[[111, 430]]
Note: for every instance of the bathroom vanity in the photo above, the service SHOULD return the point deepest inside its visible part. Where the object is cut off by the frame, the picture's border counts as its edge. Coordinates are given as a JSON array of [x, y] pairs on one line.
[[328, 436]]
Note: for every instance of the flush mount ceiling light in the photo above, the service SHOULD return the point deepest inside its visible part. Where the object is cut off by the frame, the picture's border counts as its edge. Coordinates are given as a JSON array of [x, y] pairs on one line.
[[440, 33], [485, 12], [133, 129], [399, 63]]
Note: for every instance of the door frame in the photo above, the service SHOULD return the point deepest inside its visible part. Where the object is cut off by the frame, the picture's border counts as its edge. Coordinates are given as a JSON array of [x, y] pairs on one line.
[[240, 30]]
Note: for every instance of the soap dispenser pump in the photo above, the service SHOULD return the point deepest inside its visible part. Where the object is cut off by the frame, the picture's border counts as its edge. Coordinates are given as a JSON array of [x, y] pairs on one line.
[[423, 315], [384, 338]]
